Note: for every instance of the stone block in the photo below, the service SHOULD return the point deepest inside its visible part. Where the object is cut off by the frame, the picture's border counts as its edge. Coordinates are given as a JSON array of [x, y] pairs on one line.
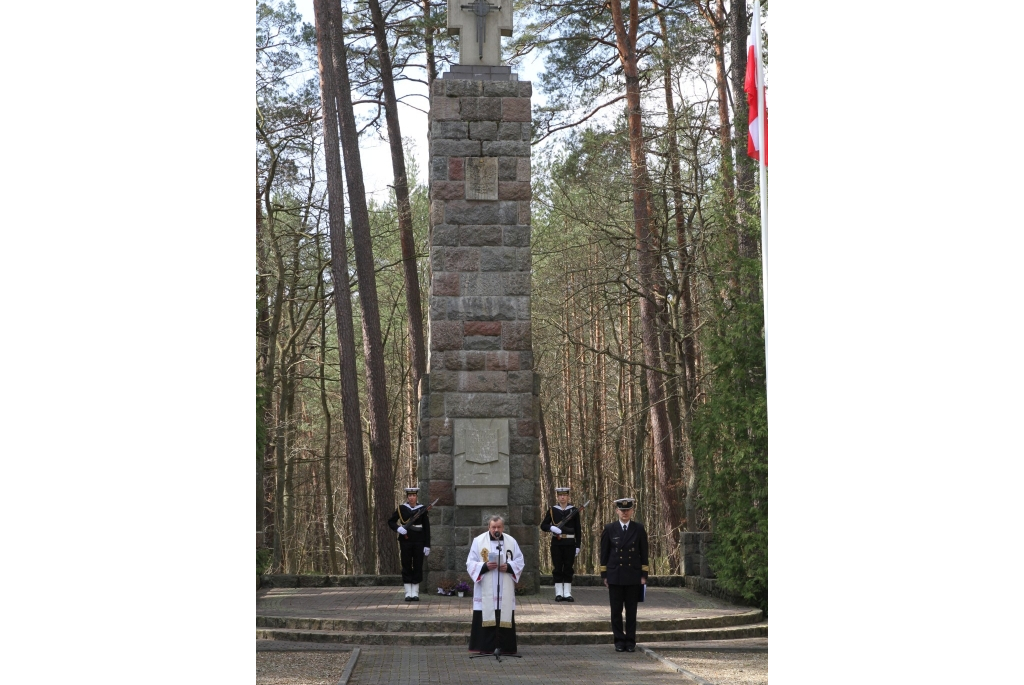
[[517, 283], [507, 169], [480, 235], [507, 190], [510, 130], [466, 517], [444, 108], [435, 408], [439, 426], [530, 517], [445, 335], [483, 130], [525, 89], [527, 131], [444, 235], [437, 211], [482, 308], [444, 381], [439, 168], [515, 109], [456, 168], [525, 407], [444, 285], [520, 381], [508, 212], [462, 259], [482, 328], [437, 259], [526, 361], [481, 405], [524, 213], [515, 335], [498, 148], [437, 87], [508, 89], [437, 309], [462, 88], [523, 445], [482, 381], [456, 190], [515, 236], [497, 259], [482, 284], [501, 361], [524, 259], [442, 490], [457, 148], [440, 537], [482, 342], [523, 169], [481, 496], [465, 361], [440, 467], [480, 109], [449, 129], [524, 535], [526, 428], [467, 212]]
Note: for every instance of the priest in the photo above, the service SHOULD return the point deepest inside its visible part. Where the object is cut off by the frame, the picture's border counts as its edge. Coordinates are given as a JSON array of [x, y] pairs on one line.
[[495, 564]]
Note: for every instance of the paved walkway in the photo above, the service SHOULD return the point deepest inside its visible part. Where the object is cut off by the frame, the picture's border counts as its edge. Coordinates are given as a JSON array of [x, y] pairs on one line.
[[388, 604], [573, 665]]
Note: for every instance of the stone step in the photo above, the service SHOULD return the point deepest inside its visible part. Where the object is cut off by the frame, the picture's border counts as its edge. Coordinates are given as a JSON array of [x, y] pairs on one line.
[[524, 638], [523, 627]]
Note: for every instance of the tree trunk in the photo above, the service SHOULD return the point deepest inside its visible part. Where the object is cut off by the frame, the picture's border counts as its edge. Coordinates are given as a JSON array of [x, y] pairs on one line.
[[357, 500], [545, 459], [646, 265], [332, 552], [417, 355], [428, 42], [373, 348]]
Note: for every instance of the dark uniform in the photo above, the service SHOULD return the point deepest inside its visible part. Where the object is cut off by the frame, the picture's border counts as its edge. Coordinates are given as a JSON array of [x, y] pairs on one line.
[[563, 548], [624, 562], [411, 545]]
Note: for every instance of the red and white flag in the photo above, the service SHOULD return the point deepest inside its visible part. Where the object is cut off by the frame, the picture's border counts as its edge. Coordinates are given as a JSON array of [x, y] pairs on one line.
[[754, 145]]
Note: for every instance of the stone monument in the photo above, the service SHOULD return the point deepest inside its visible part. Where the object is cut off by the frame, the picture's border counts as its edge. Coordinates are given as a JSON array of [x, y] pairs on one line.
[[478, 423]]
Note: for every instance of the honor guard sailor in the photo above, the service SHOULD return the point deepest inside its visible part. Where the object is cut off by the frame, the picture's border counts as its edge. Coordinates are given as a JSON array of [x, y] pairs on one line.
[[413, 541], [624, 566], [495, 563], [565, 543]]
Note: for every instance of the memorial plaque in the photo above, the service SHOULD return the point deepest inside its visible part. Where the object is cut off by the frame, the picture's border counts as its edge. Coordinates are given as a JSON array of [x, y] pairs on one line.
[[481, 178], [481, 461]]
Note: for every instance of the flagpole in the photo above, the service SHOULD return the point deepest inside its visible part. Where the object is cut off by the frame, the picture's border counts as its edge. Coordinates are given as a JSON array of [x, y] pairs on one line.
[[763, 152]]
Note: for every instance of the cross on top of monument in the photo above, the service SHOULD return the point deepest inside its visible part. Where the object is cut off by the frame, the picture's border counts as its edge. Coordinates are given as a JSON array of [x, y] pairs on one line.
[[484, 23]]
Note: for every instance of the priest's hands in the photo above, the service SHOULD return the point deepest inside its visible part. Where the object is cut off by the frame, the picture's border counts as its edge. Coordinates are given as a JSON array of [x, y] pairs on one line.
[[556, 530], [505, 568], [491, 565]]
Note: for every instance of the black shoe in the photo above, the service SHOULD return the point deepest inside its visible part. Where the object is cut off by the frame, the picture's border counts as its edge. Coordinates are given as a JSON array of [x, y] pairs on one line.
[[415, 599], [631, 648], [408, 598], [569, 599], [620, 648], [559, 598]]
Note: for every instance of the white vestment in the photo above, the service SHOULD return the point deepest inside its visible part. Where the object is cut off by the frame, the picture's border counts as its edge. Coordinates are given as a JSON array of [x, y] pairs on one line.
[[494, 586]]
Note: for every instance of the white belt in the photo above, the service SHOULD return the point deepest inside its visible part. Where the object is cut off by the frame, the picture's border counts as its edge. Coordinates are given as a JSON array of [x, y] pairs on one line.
[[567, 537]]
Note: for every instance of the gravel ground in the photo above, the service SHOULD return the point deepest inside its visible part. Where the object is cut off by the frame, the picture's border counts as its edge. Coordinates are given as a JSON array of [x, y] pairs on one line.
[[300, 668], [721, 668]]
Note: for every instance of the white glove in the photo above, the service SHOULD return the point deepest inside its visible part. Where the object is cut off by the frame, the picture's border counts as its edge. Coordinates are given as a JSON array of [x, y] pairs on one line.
[[402, 530], [426, 551], [556, 530], [577, 551]]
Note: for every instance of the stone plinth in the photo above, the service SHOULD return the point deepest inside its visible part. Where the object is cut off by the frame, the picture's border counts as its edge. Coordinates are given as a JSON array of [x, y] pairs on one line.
[[478, 431]]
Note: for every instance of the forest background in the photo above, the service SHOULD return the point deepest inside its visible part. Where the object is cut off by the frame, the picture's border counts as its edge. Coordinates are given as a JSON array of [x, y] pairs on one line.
[[648, 326]]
